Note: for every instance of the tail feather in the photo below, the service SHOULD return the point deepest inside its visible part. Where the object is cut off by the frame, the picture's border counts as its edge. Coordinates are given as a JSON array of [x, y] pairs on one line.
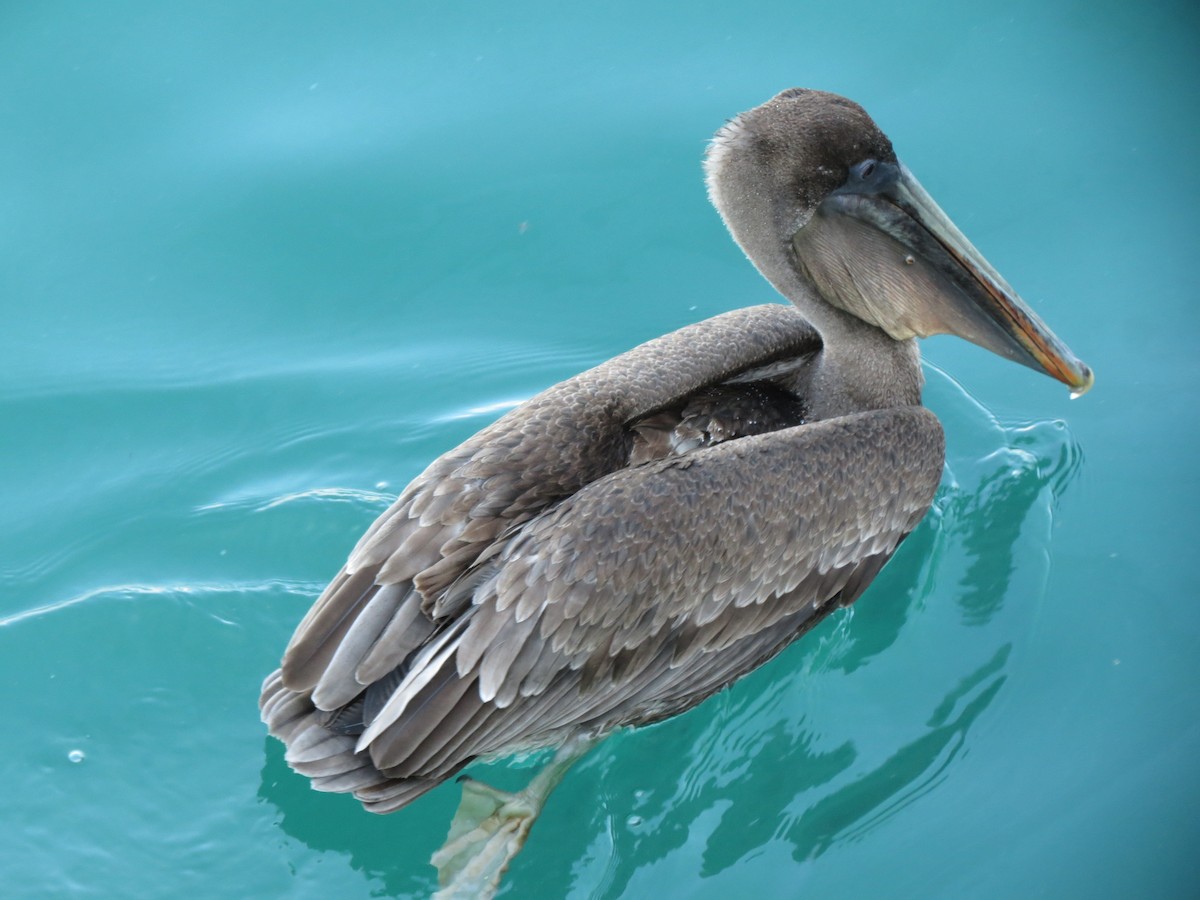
[[327, 756], [395, 793]]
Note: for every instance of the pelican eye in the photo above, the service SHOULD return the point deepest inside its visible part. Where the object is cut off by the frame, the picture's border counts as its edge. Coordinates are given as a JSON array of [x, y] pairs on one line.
[[865, 169]]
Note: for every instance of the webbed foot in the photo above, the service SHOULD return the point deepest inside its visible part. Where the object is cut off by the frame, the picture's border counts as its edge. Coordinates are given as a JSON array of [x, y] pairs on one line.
[[490, 827], [488, 831]]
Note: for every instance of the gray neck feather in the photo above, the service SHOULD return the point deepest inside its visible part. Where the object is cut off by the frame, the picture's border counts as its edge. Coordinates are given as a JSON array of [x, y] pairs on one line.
[[860, 366]]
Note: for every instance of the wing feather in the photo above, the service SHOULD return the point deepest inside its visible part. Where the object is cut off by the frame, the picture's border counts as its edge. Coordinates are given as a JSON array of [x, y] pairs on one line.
[[407, 630], [546, 450], [832, 500]]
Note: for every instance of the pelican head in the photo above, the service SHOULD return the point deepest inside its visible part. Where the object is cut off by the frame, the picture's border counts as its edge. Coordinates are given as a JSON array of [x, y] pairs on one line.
[[813, 192]]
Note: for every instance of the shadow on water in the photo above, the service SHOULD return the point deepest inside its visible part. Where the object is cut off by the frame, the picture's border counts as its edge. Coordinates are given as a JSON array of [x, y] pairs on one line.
[[393, 850], [749, 768], [912, 770]]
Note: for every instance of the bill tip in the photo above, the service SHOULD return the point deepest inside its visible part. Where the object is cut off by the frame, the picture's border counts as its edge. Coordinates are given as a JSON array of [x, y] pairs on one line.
[[1086, 380]]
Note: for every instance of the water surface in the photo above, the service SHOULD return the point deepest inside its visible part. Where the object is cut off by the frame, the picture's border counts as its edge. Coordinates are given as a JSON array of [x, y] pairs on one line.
[[264, 263]]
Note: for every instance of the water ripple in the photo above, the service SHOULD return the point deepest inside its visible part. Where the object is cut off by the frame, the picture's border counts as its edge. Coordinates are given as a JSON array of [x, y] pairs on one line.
[[186, 590], [321, 495]]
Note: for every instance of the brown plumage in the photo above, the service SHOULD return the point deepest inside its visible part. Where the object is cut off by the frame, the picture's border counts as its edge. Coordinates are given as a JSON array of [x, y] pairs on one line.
[[634, 539]]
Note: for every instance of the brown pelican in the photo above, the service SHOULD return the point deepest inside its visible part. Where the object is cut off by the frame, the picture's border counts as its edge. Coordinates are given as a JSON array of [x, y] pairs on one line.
[[632, 540]]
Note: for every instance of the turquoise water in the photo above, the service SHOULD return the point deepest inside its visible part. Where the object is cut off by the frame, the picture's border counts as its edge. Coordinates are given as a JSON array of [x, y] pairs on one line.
[[261, 264]]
